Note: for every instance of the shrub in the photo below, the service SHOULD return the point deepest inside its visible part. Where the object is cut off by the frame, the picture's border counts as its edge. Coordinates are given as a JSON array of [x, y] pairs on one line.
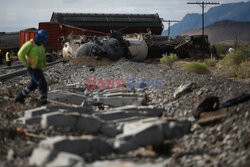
[[211, 62], [238, 62], [196, 67], [236, 57], [169, 60], [240, 71], [222, 48]]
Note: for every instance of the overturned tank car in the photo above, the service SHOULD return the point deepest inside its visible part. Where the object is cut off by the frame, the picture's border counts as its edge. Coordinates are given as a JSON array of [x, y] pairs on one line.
[[138, 47]]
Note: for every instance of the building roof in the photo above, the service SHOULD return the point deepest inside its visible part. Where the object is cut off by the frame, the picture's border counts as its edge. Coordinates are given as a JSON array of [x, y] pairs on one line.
[[107, 20]]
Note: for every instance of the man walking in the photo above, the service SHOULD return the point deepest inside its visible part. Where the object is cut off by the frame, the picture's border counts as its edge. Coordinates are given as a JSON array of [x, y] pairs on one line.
[[32, 55]]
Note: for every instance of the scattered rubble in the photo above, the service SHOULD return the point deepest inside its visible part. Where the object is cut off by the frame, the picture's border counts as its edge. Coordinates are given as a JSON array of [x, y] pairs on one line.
[[210, 117], [236, 100], [182, 89], [112, 127], [136, 47], [149, 132], [205, 104]]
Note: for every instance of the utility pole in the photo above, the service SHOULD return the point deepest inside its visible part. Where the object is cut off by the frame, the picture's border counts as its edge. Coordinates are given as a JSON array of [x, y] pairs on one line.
[[203, 5], [170, 21]]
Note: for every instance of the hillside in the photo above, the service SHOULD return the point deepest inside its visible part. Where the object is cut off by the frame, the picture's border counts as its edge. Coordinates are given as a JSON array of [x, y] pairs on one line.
[[232, 11], [9, 40], [225, 31]]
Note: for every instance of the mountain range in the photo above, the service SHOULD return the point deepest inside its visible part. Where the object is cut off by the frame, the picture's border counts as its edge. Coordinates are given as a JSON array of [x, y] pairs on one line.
[[231, 11], [225, 32]]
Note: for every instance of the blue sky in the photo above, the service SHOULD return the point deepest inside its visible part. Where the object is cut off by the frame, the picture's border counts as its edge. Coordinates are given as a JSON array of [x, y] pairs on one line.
[[21, 14]]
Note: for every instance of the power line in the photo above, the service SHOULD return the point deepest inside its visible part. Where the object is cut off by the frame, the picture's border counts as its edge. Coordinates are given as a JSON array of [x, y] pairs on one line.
[[203, 5], [169, 22]]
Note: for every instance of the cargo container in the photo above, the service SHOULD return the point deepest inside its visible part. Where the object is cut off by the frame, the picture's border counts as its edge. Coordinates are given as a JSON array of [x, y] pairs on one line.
[[56, 30], [105, 22], [26, 35]]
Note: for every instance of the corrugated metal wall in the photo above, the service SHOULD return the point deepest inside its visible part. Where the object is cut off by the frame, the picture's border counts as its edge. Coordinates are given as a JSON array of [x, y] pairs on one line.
[[26, 35], [56, 30], [127, 23]]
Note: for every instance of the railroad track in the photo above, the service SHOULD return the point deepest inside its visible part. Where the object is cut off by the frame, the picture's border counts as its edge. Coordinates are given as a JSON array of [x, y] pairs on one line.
[[12, 67], [23, 70]]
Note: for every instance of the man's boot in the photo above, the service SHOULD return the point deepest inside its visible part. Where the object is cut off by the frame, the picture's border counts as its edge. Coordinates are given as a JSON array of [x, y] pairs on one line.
[[20, 98], [42, 101]]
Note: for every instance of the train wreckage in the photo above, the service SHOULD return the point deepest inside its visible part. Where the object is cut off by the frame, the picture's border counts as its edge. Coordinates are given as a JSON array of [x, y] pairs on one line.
[[136, 47]]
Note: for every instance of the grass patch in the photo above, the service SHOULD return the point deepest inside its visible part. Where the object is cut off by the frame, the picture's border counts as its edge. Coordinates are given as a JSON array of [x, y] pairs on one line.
[[238, 62], [169, 60], [221, 49], [196, 67], [211, 62]]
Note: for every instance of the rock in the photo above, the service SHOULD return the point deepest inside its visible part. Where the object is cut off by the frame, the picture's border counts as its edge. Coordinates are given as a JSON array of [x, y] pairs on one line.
[[11, 155], [67, 159], [182, 89], [41, 156]]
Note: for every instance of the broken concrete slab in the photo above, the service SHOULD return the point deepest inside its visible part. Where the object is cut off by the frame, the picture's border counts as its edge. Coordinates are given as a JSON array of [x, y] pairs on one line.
[[49, 109], [122, 163], [67, 159], [66, 98], [76, 122], [175, 129], [58, 119], [78, 145], [111, 129], [130, 111], [36, 112], [78, 109], [34, 116], [120, 91], [119, 101], [41, 156], [88, 124], [29, 121], [140, 133], [123, 94], [151, 131]]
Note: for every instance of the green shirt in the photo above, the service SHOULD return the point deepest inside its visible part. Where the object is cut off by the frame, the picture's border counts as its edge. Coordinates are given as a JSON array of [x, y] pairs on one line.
[[32, 55]]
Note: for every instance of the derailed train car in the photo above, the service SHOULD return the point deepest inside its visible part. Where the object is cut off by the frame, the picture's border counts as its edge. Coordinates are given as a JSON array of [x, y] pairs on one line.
[[138, 47]]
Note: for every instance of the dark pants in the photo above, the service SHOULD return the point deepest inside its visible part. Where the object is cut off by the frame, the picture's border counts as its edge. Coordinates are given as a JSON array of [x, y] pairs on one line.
[[8, 63], [37, 81]]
